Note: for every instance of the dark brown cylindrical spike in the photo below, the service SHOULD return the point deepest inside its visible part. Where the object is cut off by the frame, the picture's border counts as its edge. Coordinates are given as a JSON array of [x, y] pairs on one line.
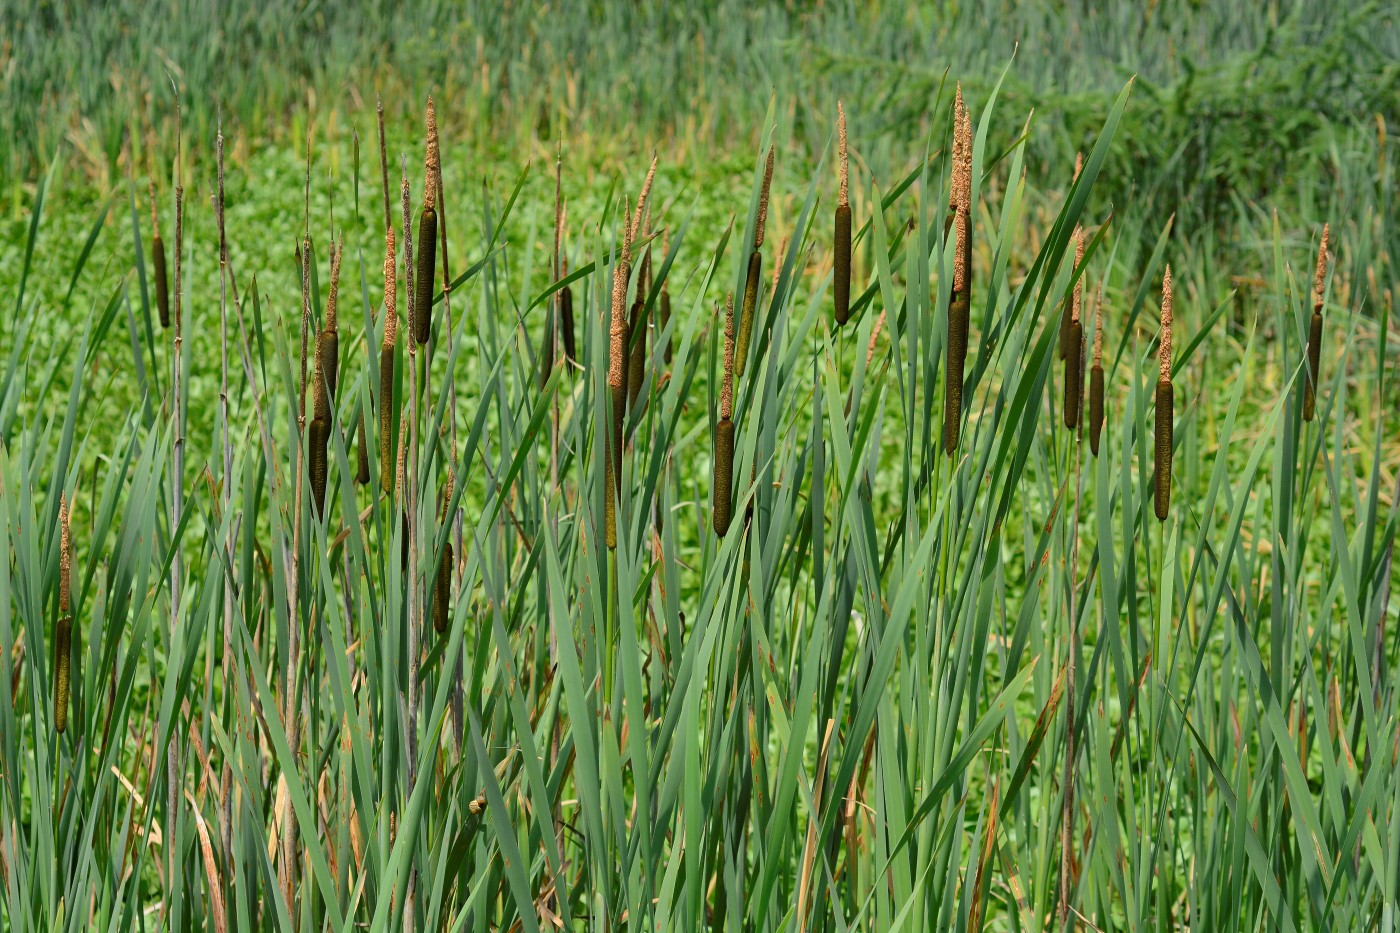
[[751, 283], [724, 476], [442, 591], [1073, 373], [1163, 450], [1314, 364], [841, 286], [637, 351], [327, 372], [62, 648], [566, 322], [1095, 407], [957, 360], [362, 453], [1065, 319], [427, 262], [547, 350], [386, 419], [162, 280], [320, 436]]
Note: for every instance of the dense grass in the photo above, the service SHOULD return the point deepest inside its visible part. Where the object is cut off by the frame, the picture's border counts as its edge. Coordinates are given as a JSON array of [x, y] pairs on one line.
[[863, 706]]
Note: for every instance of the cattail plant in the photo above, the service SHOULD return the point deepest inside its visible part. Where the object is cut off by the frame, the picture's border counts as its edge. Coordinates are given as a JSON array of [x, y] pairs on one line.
[[442, 585], [617, 355], [1315, 330], [1096, 377], [1066, 314], [158, 265], [63, 637], [724, 431], [1163, 439], [327, 370], [959, 307], [386, 366], [427, 238], [1074, 355], [755, 272], [551, 318], [841, 285]]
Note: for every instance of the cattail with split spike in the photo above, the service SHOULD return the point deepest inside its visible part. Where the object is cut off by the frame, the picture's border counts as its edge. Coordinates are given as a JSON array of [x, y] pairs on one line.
[[1315, 329], [1096, 377], [63, 637], [158, 265], [959, 307], [722, 504], [1163, 440], [1074, 348], [386, 366], [427, 237], [755, 271], [841, 284]]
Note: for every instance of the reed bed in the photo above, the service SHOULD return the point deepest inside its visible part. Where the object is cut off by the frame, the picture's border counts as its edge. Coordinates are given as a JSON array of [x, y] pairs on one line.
[[983, 691]]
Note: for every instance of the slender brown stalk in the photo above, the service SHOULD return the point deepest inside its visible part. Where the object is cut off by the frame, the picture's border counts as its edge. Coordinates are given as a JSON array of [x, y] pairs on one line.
[[1315, 330], [1163, 437], [841, 284]]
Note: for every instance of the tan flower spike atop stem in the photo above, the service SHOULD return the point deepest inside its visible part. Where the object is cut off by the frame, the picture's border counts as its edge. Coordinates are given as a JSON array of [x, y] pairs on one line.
[[1164, 352]]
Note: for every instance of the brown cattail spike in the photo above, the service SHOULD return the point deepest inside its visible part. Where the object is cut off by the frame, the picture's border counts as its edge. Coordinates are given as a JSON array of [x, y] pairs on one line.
[[1074, 356], [637, 326], [162, 280], [386, 367], [724, 432], [1096, 378], [63, 636], [427, 262], [566, 323], [841, 285], [1315, 330], [319, 438], [442, 587], [1165, 413], [755, 270], [724, 476]]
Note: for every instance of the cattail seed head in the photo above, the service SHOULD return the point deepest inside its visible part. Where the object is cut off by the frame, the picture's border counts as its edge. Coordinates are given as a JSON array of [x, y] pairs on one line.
[[1074, 357], [566, 315], [958, 314], [361, 453], [432, 162], [65, 557], [162, 280], [1321, 274], [722, 503], [318, 440], [1164, 351], [1162, 450], [841, 285], [1095, 407], [761, 223], [1314, 365], [1098, 327], [617, 331], [751, 283], [726, 392], [843, 196], [1077, 302], [427, 265], [442, 590]]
